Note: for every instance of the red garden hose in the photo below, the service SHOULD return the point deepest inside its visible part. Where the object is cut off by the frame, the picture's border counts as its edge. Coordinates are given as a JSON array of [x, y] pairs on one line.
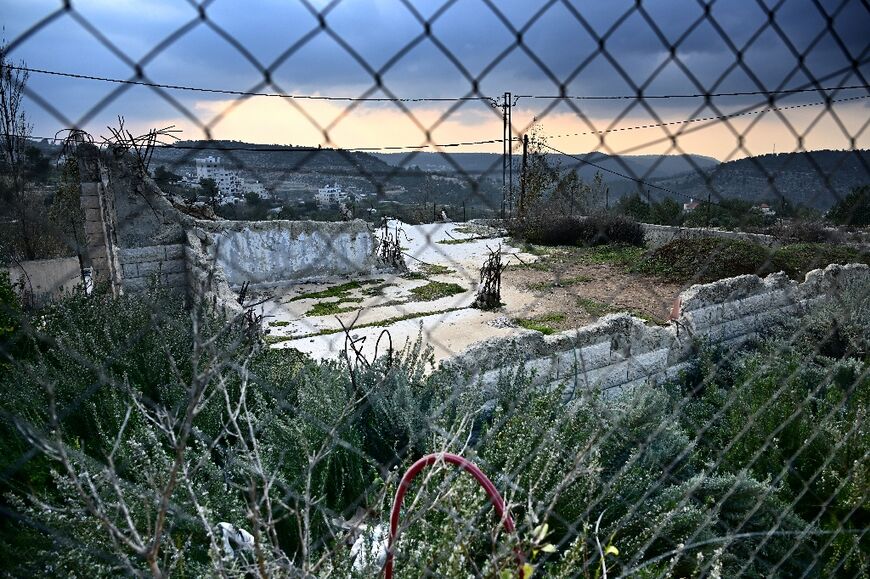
[[469, 467]]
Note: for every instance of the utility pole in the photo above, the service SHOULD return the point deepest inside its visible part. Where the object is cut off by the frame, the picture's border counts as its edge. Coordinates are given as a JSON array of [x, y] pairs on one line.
[[523, 175], [507, 158]]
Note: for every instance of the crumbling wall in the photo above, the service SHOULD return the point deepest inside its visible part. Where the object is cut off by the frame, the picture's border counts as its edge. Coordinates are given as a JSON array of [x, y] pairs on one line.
[[137, 237], [274, 252], [658, 235], [620, 351], [150, 231], [206, 280]]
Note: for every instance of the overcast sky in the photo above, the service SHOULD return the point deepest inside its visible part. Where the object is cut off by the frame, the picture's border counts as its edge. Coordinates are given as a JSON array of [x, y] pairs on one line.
[[471, 41]]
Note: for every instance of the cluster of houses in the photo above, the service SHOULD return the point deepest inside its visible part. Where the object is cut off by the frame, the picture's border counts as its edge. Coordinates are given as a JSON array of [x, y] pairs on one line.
[[233, 186]]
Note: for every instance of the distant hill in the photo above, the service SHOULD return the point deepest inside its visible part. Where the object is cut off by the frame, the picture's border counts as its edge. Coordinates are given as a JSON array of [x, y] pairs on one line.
[[799, 177], [252, 156], [490, 163]]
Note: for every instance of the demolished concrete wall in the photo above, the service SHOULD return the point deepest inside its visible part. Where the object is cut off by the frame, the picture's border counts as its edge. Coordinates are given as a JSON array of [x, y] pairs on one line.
[[274, 252], [621, 352]]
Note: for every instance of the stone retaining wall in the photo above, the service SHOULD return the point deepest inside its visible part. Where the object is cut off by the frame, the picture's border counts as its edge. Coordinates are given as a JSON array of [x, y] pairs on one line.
[[658, 235], [621, 351]]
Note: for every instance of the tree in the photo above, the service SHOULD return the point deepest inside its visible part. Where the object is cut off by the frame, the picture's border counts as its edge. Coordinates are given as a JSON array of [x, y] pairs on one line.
[[853, 209], [633, 206], [66, 211], [666, 212], [570, 191], [165, 179], [15, 132], [539, 176], [209, 190]]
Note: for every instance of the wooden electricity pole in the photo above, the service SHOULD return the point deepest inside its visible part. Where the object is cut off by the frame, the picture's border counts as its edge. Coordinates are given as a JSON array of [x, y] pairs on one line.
[[523, 175], [507, 169]]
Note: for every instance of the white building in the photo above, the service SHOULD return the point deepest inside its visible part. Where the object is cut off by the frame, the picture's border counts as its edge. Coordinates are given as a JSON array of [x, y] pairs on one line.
[[228, 182], [330, 195], [690, 206], [231, 184], [255, 187]]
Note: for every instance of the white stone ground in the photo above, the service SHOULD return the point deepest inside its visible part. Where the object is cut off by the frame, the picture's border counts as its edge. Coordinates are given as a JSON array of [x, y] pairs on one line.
[[448, 324]]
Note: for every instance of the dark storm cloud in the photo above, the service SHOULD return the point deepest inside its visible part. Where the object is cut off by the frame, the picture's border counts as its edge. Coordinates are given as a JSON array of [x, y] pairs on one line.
[[376, 31]]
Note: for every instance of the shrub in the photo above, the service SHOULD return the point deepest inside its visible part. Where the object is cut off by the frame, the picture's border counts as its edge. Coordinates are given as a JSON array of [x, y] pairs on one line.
[[705, 259], [853, 209], [10, 315], [807, 232], [553, 230], [798, 259], [709, 259], [603, 229], [599, 229], [675, 475]]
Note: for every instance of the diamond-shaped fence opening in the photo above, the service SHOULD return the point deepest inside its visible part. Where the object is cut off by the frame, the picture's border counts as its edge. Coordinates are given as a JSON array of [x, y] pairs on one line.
[[467, 288]]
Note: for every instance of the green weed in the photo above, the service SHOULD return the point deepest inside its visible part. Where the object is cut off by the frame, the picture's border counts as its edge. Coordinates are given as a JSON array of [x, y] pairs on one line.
[[436, 290]]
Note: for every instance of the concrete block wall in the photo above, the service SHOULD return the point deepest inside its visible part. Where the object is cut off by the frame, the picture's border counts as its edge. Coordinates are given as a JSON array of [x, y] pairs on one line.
[[275, 252], [621, 352], [658, 235], [161, 264]]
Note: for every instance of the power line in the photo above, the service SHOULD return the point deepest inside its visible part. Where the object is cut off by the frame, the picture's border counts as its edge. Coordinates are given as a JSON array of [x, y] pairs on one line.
[[691, 95], [247, 93], [713, 118], [494, 141], [426, 99]]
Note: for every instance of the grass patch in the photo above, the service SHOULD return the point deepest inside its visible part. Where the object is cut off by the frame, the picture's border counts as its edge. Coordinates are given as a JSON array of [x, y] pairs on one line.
[[594, 307], [337, 291], [382, 323], [415, 275], [279, 323], [435, 269], [648, 318], [527, 247], [375, 290], [331, 308], [541, 323], [435, 290], [598, 309], [623, 255]]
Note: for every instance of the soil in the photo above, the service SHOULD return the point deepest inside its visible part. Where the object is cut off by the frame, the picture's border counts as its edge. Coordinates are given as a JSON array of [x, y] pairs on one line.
[[583, 292]]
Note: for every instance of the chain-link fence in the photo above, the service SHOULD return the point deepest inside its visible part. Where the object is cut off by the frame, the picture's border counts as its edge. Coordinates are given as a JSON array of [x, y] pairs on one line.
[[524, 289]]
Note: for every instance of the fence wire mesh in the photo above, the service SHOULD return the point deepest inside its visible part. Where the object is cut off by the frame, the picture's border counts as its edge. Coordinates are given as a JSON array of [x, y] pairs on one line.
[[278, 299]]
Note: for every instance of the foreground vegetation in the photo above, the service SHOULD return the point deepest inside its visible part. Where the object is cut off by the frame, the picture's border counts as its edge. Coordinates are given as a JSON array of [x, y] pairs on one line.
[[130, 427]]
